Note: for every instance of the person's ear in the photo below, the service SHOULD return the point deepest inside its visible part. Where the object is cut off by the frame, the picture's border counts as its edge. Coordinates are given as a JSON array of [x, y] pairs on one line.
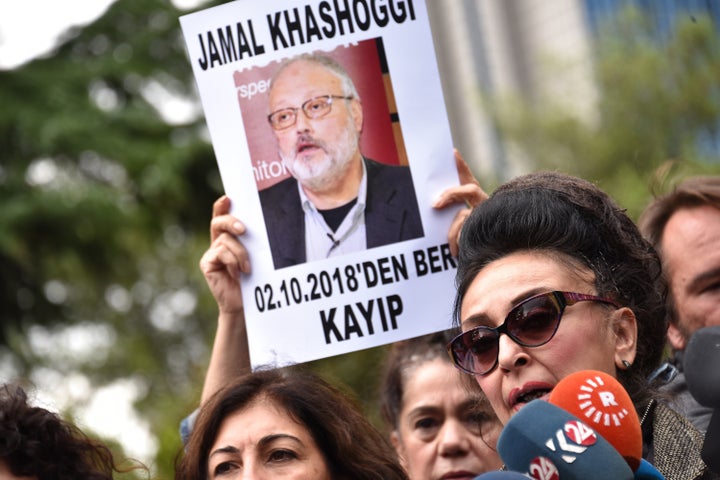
[[625, 329], [676, 337], [396, 442], [357, 114]]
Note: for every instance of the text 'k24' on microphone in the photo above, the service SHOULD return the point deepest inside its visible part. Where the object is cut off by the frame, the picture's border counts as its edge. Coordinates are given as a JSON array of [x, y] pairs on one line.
[[702, 372], [548, 443], [599, 400]]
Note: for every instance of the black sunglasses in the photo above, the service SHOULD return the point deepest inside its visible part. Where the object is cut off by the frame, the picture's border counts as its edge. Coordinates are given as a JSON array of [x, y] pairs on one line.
[[530, 323]]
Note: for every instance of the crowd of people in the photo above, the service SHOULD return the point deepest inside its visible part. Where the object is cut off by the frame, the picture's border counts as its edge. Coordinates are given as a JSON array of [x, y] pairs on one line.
[[554, 264], [553, 278]]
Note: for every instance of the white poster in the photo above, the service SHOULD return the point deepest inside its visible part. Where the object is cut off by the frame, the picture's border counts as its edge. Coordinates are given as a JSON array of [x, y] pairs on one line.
[[330, 276]]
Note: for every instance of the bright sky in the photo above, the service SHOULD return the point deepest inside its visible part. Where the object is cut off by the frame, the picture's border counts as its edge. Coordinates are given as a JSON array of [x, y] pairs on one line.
[[29, 28]]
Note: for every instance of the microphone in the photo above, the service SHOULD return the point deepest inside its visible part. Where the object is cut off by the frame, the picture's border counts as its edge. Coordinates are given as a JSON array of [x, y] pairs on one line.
[[646, 471], [702, 366], [598, 399], [702, 372], [500, 475], [549, 443]]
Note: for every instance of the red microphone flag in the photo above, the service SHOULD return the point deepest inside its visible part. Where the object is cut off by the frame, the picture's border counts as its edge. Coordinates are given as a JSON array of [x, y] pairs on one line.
[[599, 400]]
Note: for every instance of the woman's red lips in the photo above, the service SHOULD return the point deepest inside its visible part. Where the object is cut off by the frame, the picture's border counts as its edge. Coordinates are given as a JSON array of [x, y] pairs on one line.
[[458, 475], [517, 394]]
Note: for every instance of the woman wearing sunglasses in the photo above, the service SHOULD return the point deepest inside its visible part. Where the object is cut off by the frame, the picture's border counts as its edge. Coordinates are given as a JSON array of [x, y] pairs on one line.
[[554, 278]]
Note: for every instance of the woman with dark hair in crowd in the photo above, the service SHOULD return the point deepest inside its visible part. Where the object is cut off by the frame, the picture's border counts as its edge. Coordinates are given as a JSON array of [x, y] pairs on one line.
[[554, 278], [441, 427], [36, 444], [285, 423]]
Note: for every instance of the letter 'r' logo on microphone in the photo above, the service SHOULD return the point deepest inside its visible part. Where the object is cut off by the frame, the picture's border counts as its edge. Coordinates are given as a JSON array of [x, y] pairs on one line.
[[542, 468], [598, 403]]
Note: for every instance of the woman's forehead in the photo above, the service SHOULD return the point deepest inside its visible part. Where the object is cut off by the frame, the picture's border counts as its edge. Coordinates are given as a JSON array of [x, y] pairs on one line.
[[507, 281]]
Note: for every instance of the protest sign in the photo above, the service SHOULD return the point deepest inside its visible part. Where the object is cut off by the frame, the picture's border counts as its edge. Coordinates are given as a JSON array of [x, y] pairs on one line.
[[395, 285]]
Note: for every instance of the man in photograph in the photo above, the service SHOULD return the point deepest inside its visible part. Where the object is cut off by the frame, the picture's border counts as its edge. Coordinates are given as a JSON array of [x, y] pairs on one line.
[[336, 201]]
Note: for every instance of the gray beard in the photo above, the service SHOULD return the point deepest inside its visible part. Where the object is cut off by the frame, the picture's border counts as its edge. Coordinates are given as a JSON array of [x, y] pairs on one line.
[[320, 175]]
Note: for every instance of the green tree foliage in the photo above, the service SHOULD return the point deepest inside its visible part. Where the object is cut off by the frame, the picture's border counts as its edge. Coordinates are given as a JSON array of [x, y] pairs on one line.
[[655, 118], [104, 212]]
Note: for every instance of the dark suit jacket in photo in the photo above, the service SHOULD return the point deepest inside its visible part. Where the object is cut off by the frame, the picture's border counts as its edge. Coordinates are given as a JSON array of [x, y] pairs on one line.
[[391, 213]]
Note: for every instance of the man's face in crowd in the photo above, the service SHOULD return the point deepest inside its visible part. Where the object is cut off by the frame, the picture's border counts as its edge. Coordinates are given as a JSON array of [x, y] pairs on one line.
[[691, 254], [316, 151]]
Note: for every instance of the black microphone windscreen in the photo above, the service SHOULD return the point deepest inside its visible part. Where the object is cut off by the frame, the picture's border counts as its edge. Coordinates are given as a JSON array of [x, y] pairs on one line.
[[701, 364]]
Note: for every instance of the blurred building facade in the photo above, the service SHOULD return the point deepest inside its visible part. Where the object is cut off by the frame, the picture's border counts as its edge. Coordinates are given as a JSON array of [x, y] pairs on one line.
[[528, 49]]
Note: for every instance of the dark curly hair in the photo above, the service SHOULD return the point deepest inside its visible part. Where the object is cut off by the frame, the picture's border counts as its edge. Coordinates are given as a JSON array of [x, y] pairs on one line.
[[35, 442], [351, 446], [557, 213]]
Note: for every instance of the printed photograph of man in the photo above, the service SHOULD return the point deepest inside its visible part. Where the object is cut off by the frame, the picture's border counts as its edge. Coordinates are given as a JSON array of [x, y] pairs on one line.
[[336, 200]]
